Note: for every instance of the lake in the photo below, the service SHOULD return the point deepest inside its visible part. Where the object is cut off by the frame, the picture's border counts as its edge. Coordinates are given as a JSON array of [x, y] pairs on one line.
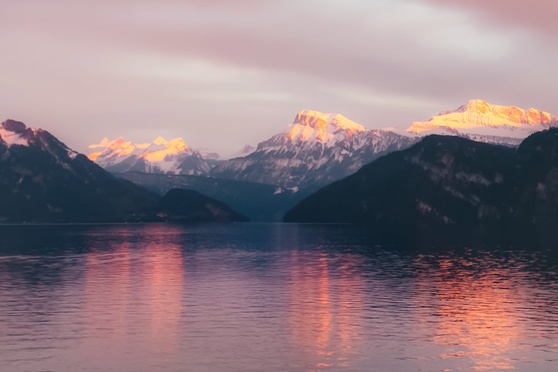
[[273, 297]]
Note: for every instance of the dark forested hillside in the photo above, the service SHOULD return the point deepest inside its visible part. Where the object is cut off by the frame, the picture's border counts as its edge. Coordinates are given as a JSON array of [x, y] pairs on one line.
[[445, 179]]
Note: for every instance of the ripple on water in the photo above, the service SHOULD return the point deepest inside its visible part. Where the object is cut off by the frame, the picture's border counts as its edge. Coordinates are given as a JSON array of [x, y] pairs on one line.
[[268, 297]]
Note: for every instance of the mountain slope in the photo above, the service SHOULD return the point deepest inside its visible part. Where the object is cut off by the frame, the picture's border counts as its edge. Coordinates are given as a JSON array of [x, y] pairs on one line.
[[441, 179], [259, 202], [534, 190], [484, 122], [445, 179], [42, 180], [315, 150], [160, 156], [191, 206]]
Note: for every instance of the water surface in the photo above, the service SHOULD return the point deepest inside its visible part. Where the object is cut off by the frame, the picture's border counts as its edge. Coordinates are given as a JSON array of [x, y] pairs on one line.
[[270, 297]]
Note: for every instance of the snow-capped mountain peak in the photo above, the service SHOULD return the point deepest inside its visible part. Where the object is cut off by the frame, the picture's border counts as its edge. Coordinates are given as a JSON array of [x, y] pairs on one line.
[[159, 156], [160, 141], [161, 149], [246, 150], [482, 121], [313, 125], [119, 148], [14, 132], [315, 149], [511, 115], [317, 120]]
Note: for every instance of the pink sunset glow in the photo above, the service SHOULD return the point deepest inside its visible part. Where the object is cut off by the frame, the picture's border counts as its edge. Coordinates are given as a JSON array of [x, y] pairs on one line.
[[222, 74]]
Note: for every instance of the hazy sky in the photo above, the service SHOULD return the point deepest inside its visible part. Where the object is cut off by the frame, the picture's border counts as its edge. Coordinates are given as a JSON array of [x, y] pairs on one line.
[[223, 73]]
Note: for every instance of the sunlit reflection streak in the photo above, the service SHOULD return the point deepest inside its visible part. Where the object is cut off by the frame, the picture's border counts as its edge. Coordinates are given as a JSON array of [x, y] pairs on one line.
[[350, 303], [166, 291], [164, 276], [329, 307], [106, 310], [476, 311], [121, 291]]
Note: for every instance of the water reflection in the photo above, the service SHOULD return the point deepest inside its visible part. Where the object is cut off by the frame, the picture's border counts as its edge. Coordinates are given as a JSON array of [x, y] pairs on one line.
[[106, 286], [165, 291], [324, 308], [477, 307], [126, 285], [268, 297], [309, 300]]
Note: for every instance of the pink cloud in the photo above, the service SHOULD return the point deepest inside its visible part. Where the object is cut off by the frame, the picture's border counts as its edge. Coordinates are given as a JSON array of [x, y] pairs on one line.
[[537, 15], [73, 60]]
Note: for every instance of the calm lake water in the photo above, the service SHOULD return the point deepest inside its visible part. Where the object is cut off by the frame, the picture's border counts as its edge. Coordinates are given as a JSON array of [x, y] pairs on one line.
[[271, 297]]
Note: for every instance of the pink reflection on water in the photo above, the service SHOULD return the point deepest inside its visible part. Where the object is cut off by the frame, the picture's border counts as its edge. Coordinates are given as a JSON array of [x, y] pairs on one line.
[[127, 285], [476, 311], [323, 310]]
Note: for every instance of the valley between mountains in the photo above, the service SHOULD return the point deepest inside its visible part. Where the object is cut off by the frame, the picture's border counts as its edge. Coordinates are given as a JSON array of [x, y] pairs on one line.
[[468, 165]]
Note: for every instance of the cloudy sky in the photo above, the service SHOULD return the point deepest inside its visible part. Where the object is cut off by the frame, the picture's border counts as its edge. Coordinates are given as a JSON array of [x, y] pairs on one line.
[[223, 73]]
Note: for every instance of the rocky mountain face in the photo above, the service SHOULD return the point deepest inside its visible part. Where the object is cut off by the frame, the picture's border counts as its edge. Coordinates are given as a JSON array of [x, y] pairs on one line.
[[484, 122], [42, 180], [160, 156], [443, 180], [315, 150]]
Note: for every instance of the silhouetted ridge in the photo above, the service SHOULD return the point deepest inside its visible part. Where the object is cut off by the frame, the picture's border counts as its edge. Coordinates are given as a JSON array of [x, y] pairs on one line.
[[445, 179], [189, 205], [42, 180]]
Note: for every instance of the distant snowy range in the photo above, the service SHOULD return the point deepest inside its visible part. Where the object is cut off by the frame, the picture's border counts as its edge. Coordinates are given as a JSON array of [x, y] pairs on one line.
[[318, 148], [265, 181]]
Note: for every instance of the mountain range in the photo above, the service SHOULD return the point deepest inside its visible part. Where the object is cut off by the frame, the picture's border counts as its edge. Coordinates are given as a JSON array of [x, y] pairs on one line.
[[317, 148], [483, 122], [446, 179], [42, 180], [258, 202], [160, 156]]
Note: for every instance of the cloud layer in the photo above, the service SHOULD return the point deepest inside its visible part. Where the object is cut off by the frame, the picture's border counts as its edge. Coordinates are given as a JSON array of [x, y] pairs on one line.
[[224, 73]]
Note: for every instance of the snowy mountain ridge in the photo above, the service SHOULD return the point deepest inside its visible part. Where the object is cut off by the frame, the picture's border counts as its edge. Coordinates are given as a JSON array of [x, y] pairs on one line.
[[318, 148], [481, 121], [326, 128], [160, 156], [42, 180], [315, 149], [16, 133]]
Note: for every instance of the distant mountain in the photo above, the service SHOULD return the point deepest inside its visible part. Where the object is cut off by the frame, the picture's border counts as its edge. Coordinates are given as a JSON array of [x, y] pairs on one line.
[[257, 201], [160, 156], [181, 205], [315, 150], [445, 179], [246, 150], [42, 180], [484, 122]]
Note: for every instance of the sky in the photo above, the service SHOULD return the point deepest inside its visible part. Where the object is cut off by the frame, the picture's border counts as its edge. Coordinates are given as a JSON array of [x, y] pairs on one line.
[[225, 73]]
